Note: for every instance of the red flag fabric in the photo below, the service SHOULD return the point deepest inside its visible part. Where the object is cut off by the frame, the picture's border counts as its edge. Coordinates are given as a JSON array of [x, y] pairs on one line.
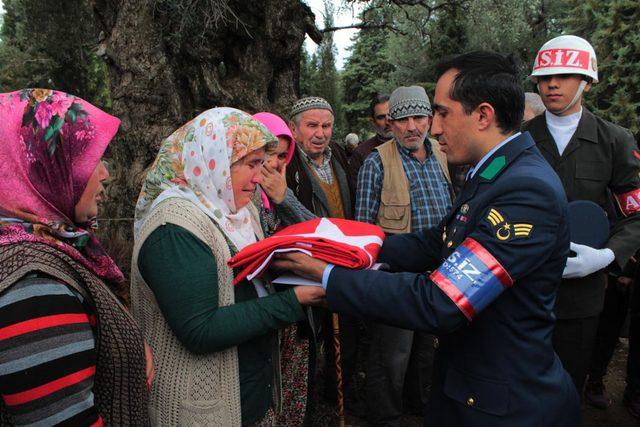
[[338, 241]]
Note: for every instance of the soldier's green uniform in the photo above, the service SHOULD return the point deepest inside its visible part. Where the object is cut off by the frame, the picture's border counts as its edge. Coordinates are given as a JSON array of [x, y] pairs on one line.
[[601, 163], [597, 161]]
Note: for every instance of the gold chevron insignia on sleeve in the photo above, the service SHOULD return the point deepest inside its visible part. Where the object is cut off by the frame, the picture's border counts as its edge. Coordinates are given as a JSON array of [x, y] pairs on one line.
[[495, 217], [522, 230]]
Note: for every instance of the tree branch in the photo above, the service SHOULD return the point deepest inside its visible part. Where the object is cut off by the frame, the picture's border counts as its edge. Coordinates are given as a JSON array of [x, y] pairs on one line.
[[360, 26], [309, 24]]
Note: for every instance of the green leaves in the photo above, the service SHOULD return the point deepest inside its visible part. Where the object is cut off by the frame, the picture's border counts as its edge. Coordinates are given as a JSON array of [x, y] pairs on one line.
[[53, 144], [52, 134], [613, 28], [75, 112], [366, 72], [50, 44], [71, 115], [54, 127]]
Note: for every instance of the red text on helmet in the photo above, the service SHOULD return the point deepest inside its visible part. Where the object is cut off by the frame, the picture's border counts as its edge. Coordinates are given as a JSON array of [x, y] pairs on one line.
[[562, 58]]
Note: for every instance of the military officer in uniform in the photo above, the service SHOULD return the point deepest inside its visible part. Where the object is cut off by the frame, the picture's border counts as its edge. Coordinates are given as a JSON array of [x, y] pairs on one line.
[[485, 279], [598, 161]]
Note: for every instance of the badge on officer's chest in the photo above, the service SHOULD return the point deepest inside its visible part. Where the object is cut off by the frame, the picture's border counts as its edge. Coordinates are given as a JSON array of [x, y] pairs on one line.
[[506, 231], [462, 213]]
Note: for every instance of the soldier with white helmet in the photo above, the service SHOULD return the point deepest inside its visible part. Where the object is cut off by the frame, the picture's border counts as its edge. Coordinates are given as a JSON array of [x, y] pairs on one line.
[[598, 161], [563, 57]]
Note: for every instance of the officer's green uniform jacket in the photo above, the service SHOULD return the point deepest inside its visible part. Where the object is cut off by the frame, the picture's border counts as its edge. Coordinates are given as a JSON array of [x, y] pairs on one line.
[[601, 163]]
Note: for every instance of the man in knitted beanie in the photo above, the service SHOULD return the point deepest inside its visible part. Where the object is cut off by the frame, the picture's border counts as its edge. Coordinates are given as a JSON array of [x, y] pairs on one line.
[[402, 187]]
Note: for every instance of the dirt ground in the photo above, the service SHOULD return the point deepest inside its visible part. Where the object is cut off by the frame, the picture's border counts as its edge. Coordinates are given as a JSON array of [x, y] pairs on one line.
[[615, 416]]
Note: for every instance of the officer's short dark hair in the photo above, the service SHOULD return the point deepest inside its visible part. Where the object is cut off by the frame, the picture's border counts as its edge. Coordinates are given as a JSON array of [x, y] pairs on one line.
[[487, 77], [377, 98]]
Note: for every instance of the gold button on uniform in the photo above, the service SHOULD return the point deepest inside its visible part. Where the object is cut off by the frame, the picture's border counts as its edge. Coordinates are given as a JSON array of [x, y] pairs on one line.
[[470, 401], [436, 343]]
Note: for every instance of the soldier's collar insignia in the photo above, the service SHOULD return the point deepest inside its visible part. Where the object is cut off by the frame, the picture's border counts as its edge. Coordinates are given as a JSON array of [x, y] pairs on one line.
[[464, 209], [493, 168], [506, 231]]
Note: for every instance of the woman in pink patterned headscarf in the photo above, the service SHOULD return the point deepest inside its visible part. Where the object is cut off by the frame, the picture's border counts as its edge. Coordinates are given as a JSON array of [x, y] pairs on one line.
[[70, 351]]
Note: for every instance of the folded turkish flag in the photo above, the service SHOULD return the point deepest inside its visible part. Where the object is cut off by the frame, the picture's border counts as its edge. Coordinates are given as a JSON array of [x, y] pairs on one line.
[[338, 241]]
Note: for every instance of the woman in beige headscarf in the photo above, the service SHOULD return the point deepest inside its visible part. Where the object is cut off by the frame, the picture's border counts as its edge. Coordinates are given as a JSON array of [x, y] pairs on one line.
[[215, 344]]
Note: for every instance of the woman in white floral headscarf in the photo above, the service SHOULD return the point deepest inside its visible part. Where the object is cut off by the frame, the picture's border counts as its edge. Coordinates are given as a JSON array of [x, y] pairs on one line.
[[215, 344]]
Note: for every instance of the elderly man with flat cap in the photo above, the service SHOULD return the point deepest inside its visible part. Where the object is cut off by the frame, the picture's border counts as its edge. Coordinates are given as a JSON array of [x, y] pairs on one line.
[[320, 178], [402, 187]]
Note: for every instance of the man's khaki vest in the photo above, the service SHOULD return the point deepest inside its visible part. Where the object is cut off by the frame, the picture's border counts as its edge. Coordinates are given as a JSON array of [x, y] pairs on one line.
[[394, 213]]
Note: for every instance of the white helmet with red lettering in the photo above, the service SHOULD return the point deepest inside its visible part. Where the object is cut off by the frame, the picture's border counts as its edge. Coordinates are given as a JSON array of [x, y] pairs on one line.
[[566, 55]]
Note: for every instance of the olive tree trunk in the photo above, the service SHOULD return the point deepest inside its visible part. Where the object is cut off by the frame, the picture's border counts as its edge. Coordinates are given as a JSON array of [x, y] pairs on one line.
[[172, 59]]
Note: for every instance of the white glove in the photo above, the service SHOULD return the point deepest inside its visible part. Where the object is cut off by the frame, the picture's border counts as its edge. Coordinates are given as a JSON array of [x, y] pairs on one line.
[[587, 260]]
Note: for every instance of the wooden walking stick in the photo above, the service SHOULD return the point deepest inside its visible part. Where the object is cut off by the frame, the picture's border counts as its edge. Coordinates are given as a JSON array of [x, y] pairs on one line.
[[336, 347]]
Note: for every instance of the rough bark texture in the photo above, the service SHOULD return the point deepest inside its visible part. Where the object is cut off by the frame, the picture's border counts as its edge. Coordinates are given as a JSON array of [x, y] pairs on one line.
[[165, 69]]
